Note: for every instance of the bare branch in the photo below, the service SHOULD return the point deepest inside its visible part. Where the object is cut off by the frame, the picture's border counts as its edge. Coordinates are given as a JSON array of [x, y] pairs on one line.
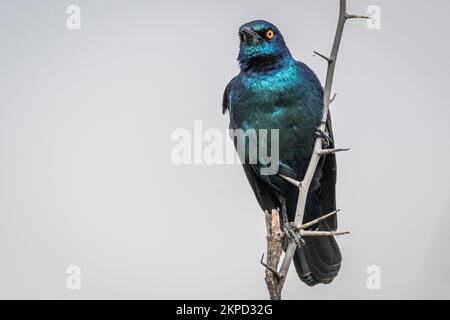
[[275, 279], [306, 233], [318, 146]]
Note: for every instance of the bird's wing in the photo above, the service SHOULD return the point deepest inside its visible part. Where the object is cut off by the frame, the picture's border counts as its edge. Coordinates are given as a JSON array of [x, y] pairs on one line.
[[226, 96], [328, 182], [265, 198]]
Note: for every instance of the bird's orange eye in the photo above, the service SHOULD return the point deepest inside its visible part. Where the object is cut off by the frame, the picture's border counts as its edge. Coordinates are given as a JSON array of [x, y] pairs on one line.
[[269, 34]]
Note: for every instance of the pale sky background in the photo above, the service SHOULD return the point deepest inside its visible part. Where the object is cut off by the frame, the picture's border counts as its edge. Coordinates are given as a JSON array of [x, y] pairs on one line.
[[86, 176]]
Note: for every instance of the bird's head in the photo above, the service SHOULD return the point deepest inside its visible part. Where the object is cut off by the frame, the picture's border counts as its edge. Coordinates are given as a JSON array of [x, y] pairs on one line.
[[260, 41]]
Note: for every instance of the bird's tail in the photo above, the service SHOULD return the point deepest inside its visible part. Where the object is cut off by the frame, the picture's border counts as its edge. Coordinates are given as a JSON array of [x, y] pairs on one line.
[[318, 261]]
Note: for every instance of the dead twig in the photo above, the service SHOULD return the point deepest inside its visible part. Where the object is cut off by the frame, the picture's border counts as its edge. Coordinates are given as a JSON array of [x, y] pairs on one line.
[[274, 250]]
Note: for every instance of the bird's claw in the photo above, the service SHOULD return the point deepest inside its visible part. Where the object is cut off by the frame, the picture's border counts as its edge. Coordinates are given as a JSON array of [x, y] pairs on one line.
[[292, 234], [328, 141]]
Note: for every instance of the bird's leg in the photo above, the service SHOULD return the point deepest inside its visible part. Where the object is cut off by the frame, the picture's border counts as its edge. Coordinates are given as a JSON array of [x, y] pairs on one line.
[[295, 235]]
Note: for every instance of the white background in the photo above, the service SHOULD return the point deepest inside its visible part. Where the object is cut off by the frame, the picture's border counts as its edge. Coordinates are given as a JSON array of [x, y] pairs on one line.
[[86, 176]]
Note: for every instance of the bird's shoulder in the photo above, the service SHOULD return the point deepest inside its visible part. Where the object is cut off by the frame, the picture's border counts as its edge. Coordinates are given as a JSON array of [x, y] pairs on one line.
[[226, 94], [309, 77]]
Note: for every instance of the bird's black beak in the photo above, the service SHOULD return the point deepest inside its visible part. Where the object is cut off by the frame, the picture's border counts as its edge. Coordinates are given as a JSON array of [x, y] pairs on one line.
[[246, 34]]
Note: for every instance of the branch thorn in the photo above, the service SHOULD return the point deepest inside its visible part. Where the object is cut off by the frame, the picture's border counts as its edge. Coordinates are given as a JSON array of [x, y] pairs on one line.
[[324, 152], [333, 98], [328, 59], [307, 233], [275, 272], [296, 183], [354, 16], [316, 221]]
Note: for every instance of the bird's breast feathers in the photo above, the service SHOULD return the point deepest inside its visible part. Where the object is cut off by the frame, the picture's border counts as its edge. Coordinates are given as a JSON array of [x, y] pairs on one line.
[[275, 99], [288, 99], [271, 83]]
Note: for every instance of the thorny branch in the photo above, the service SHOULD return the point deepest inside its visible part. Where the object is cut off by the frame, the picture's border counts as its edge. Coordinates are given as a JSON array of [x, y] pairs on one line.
[[275, 279]]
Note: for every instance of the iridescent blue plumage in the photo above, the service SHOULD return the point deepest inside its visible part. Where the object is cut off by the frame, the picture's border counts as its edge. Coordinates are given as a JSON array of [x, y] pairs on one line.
[[273, 91]]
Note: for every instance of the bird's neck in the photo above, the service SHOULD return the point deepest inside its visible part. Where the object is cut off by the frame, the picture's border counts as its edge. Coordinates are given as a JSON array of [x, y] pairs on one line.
[[265, 63]]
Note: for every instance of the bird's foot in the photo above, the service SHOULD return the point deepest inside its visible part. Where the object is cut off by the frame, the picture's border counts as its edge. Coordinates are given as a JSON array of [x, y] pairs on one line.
[[292, 234], [327, 140]]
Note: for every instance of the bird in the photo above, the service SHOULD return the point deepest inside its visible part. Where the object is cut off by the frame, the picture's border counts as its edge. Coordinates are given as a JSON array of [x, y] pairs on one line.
[[274, 91]]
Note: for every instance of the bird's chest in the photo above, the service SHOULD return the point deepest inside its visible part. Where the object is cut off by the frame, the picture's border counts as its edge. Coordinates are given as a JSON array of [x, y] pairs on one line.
[[266, 92], [273, 101], [277, 101]]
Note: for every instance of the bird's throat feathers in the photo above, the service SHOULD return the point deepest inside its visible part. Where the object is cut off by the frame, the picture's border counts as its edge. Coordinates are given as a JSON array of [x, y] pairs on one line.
[[265, 63]]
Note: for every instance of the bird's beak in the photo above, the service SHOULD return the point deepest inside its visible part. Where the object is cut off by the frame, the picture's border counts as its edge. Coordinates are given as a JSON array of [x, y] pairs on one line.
[[248, 35]]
